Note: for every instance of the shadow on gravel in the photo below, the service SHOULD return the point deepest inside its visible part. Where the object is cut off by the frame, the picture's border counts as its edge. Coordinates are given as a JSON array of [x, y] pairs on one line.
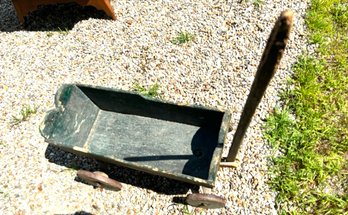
[[58, 17], [77, 213], [82, 213], [136, 178]]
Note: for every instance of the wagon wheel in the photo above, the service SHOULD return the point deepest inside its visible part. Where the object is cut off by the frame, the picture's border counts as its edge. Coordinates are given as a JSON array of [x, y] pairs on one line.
[[205, 200], [99, 179]]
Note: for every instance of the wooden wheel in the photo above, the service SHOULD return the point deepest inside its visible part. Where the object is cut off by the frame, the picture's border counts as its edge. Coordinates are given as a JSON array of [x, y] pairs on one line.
[[208, 201], [99, 179]]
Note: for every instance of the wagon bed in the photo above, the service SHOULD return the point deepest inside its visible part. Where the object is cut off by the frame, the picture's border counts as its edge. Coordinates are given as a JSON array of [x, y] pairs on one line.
[[131, 130]]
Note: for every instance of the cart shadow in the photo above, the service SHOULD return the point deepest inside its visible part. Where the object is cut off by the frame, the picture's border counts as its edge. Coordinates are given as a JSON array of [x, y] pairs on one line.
[[159, 184], [77, 213], [82, 213], [198, 163], [57, 17]]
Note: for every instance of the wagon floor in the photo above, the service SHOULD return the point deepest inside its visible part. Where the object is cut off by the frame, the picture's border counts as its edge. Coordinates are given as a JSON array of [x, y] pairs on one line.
[[165, 145]]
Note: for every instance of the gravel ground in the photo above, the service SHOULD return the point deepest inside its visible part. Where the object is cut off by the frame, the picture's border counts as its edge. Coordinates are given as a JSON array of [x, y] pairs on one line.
[[214, 70]]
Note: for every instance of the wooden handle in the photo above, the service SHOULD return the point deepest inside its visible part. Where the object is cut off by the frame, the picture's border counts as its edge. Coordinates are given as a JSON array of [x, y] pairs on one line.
[[268, 65]]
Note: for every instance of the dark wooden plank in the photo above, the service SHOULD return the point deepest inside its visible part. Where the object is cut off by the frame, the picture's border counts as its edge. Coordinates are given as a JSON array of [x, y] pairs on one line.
[[268, 65]]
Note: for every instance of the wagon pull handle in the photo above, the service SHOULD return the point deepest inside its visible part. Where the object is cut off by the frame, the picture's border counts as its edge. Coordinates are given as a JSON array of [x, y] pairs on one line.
[[268, 65]]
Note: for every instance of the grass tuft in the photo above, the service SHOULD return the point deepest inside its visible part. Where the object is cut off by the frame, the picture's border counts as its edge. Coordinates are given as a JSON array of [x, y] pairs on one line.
[[24, 115], [64, 31], [183, 37], [152, 91], [258, 3], [49, 34], [311, 129]]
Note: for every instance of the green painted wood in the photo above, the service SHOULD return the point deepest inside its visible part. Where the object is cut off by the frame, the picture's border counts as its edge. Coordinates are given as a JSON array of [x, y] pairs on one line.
[[70, 123], [180, 142]]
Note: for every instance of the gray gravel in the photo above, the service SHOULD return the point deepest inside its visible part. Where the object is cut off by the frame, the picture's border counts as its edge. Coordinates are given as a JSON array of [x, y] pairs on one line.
[[214, 70]]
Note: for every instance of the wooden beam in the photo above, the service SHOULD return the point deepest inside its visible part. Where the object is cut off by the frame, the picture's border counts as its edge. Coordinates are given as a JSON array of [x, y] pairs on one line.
[[268, 65]]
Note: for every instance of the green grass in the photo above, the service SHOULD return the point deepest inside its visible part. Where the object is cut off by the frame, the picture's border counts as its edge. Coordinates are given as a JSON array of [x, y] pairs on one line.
[[49, 34], [24, 115], [152, 91], [4, 194], [64, 31], [186, 211], [258, 3], [311, 129], [183, 37]]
